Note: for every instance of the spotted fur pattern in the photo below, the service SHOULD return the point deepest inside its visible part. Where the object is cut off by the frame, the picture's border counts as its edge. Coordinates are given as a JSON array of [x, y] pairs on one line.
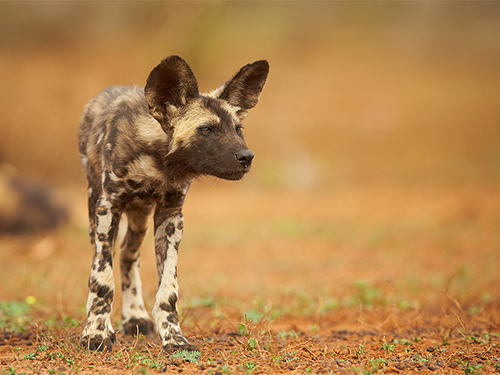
[[141, 149]]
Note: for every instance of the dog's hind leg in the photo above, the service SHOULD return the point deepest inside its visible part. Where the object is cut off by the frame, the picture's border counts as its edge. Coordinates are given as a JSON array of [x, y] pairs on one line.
[[98, 333], [92, 204], [135, 319], [168, 222]]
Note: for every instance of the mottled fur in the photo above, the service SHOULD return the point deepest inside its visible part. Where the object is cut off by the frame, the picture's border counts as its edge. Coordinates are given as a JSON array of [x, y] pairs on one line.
[[141, 149]]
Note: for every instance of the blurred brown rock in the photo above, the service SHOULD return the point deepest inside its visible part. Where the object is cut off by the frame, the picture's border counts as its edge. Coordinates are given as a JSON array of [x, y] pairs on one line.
[[27, 206]]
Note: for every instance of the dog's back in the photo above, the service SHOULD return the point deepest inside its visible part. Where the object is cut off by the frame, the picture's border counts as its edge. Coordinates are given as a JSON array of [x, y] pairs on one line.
[[117, 131]]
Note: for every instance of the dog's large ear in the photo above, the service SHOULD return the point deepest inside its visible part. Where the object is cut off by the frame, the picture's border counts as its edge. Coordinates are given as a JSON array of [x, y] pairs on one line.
[[243, 90], [170, 83]]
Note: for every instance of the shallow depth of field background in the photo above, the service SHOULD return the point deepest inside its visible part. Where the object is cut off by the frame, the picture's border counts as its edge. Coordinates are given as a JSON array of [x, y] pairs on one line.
[[377, 141]]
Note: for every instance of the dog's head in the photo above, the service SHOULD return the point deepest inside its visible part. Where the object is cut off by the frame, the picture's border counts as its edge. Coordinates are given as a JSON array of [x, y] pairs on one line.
[[205, 130]]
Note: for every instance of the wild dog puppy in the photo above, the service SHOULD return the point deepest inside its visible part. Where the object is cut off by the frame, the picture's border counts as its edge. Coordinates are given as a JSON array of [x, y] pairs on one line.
[[141, 149]]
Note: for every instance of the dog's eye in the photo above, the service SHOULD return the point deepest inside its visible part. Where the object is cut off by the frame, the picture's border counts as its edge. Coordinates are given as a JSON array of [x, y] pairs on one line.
[[239, 130], [206, 130]]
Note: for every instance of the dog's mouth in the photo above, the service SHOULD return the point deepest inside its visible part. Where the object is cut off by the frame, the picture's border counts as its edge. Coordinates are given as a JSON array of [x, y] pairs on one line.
[[226, 168], [232, 175], [229, 175]]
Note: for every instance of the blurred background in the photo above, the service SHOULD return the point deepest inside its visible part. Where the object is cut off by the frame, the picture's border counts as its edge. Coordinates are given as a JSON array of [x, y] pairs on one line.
[[377, 141]]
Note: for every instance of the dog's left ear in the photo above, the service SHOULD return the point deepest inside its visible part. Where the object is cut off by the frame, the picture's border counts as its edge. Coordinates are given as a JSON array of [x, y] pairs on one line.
[[170, 85], [244, 89]]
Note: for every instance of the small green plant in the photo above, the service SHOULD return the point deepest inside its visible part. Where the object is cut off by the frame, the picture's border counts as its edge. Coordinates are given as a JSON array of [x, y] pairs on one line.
[[418, 359], [210, 361], [42, 347], [360, 351], [445, 341], [487, 337], [367, 295], [251, 366], [30, 355], [187, 356], [277, 359], [153, 364], [371, 367], [16, 353], [329, 305], [403, 342], [388, 347], [145, 360], [254, 316], [286, 334], [469, 368], [252, 344], [242, 329], [12, 371], [203, 302], [497, 366], [377, 363], [226, 370], [71, 321], [473, 339], [210, 341], [14, 315]]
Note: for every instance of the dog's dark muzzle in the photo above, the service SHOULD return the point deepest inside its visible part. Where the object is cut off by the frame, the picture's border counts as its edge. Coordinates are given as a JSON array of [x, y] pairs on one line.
[[244, 157]]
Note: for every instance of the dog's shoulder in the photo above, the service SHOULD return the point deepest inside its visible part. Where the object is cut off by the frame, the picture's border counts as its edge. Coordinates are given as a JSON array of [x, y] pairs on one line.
[[118, 101], [121, 109]]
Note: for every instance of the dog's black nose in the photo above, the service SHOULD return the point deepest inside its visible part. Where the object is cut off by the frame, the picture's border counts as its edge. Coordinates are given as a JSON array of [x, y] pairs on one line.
[[244, 157]]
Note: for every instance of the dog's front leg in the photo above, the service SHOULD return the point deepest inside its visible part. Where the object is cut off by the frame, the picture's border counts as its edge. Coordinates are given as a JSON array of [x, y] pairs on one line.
[[168, 222], [98, 333], [135, 319]]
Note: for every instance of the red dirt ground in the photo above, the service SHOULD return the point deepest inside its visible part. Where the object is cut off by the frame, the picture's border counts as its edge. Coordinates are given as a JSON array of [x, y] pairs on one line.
[[365, 239], [398, 292]]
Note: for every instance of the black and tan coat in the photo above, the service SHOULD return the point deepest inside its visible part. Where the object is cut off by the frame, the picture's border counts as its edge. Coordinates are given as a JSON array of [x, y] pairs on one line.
[[141, 149]]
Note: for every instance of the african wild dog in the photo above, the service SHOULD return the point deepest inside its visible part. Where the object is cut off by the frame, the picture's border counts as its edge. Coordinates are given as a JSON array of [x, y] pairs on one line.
[[141, 149]]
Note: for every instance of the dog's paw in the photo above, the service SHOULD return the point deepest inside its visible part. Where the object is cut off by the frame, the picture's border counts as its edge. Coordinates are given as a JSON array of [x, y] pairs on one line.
[[98, 343], [172, 348], [141, 326]]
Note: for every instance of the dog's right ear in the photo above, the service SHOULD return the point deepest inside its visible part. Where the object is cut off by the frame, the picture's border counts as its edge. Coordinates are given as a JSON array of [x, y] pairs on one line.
[[170, 85]]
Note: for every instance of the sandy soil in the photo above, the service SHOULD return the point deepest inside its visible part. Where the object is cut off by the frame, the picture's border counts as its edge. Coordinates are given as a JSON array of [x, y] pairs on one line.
[[291, 287]]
